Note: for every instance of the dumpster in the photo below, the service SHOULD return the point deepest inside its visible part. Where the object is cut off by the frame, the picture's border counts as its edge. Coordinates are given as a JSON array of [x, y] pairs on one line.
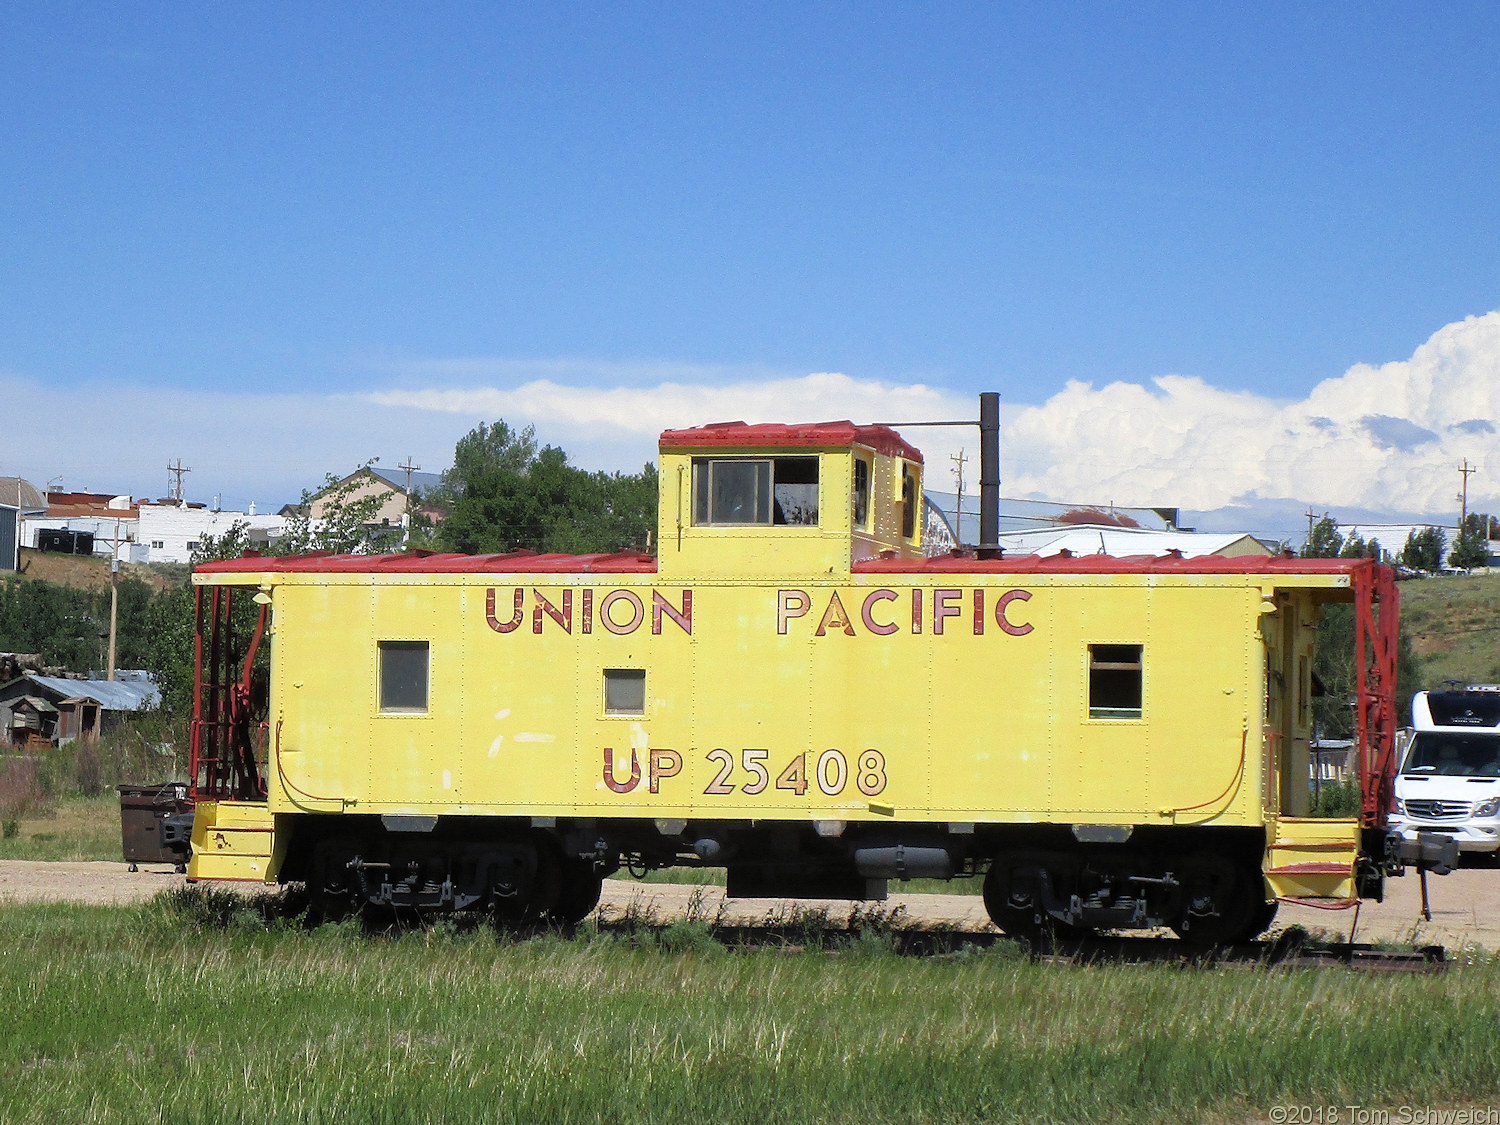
[[156, 823]]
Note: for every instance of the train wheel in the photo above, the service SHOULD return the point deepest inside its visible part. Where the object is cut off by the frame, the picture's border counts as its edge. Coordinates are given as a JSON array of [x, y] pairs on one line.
[[332, 887], [1016, 912], [579, 893], [546, 884], [528, 881], [1232, 893]]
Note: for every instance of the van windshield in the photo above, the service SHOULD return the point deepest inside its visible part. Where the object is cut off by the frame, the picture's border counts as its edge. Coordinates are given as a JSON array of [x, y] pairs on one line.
[[1453, 755]]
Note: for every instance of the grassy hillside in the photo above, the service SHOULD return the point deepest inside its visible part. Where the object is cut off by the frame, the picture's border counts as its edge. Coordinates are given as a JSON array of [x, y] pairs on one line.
[[89, 572], [1454, 624]]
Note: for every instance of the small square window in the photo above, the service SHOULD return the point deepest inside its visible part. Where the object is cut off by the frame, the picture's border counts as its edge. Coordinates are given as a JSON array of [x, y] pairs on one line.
[[403, 676], [624, 691], [1115, 681]]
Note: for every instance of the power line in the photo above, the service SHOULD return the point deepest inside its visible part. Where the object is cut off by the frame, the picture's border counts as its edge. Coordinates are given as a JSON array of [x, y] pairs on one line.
[[958, 515], [177, 468], [1463, 496]]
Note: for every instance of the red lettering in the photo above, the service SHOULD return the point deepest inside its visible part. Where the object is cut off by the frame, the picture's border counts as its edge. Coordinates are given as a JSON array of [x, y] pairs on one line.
[[978, 612], [586, 625], [1003, 621], [563, 617], [916, 610], [664, 763], [834, 617], [660, 606], [637, 612], [942, 607], [609, 772], [515, 620], [790, 604], [867, 613]]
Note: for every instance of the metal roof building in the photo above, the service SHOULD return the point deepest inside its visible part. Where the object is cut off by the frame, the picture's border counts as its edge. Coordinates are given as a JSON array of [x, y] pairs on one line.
[[42, 710]]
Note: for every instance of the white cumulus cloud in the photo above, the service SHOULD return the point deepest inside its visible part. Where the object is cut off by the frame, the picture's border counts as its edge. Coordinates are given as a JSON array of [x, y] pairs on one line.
[[1382, 438], [1372, 440]]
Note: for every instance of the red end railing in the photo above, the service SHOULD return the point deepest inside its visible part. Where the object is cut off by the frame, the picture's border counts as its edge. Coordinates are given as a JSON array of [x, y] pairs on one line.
[[228, 744], [1377, 622]]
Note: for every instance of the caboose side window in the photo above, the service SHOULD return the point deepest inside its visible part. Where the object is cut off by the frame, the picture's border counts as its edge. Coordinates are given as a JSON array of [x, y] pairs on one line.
[[908, 502], [744, 491], [403, 676], [861, 493], [1115, 681]]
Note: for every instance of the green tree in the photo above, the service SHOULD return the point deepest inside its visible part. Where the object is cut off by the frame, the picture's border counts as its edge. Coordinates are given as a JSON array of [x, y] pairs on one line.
[[169, 632], [1471, 547], [1334, 666], [1325, 542], [1424, 549], [1357, 547], [505, 494], [347, 523], [63, 624]]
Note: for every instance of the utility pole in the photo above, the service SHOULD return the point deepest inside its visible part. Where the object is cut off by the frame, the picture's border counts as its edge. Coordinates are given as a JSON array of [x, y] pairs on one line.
[[406, 515], [1311, 515], [114, 597], [410, 468], [958, 519], [177, 468], [1463, 497]]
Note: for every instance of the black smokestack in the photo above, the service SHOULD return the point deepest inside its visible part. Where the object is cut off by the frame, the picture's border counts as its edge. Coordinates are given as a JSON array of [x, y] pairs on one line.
[[989, 475]]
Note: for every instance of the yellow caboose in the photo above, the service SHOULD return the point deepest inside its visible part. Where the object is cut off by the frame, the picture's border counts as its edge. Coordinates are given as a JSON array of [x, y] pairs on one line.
[[790, 690]]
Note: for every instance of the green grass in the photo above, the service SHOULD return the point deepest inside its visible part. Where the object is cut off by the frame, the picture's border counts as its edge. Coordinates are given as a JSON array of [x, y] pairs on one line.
[[1454, 623], [192, 1008], [79, 828]]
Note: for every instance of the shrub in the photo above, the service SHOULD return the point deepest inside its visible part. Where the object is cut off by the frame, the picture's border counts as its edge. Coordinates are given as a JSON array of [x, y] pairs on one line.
[[88, 773], [1337, 799], [21, 793]]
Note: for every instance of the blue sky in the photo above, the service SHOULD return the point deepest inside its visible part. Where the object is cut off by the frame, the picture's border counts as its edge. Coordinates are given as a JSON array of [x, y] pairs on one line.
[[215, 212]]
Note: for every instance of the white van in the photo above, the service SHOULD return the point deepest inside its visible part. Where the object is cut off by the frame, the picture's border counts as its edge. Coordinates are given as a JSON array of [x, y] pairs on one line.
[[1450, 771]]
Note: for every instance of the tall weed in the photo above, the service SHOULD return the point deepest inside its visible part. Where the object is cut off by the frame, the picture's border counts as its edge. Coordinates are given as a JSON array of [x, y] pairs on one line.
[[21, 791]]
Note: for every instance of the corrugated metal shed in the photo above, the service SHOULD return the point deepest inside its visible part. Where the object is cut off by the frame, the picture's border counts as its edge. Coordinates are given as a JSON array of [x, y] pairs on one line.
[[116, 695], [21, 495]]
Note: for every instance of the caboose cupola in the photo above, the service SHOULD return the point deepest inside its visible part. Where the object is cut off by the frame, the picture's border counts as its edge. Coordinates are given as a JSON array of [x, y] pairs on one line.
[[755, 500]]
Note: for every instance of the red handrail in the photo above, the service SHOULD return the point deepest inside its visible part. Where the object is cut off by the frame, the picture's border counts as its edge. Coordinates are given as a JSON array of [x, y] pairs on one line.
[[1377, 619]]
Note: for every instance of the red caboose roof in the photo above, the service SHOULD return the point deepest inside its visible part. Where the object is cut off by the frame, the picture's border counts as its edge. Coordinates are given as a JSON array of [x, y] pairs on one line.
[[807, 435], [421, 562], [525, 562], [1116, 564]]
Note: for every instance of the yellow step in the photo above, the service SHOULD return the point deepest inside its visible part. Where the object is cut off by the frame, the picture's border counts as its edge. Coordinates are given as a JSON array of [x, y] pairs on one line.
[[232, 840], [1312, 860]]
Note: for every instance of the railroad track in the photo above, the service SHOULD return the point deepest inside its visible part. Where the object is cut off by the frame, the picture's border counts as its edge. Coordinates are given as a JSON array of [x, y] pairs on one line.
[[1281, 952]]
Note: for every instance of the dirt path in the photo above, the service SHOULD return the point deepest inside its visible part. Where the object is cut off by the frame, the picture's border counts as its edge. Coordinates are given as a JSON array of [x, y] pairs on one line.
[[1465, 905]]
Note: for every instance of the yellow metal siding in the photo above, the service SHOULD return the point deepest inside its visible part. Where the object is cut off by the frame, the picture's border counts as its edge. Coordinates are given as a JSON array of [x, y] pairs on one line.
[[982, 727]]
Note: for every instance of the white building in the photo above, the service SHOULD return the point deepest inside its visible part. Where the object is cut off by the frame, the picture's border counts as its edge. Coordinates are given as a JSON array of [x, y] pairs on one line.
[[138, 532], [1039, 527], [171, 532]]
